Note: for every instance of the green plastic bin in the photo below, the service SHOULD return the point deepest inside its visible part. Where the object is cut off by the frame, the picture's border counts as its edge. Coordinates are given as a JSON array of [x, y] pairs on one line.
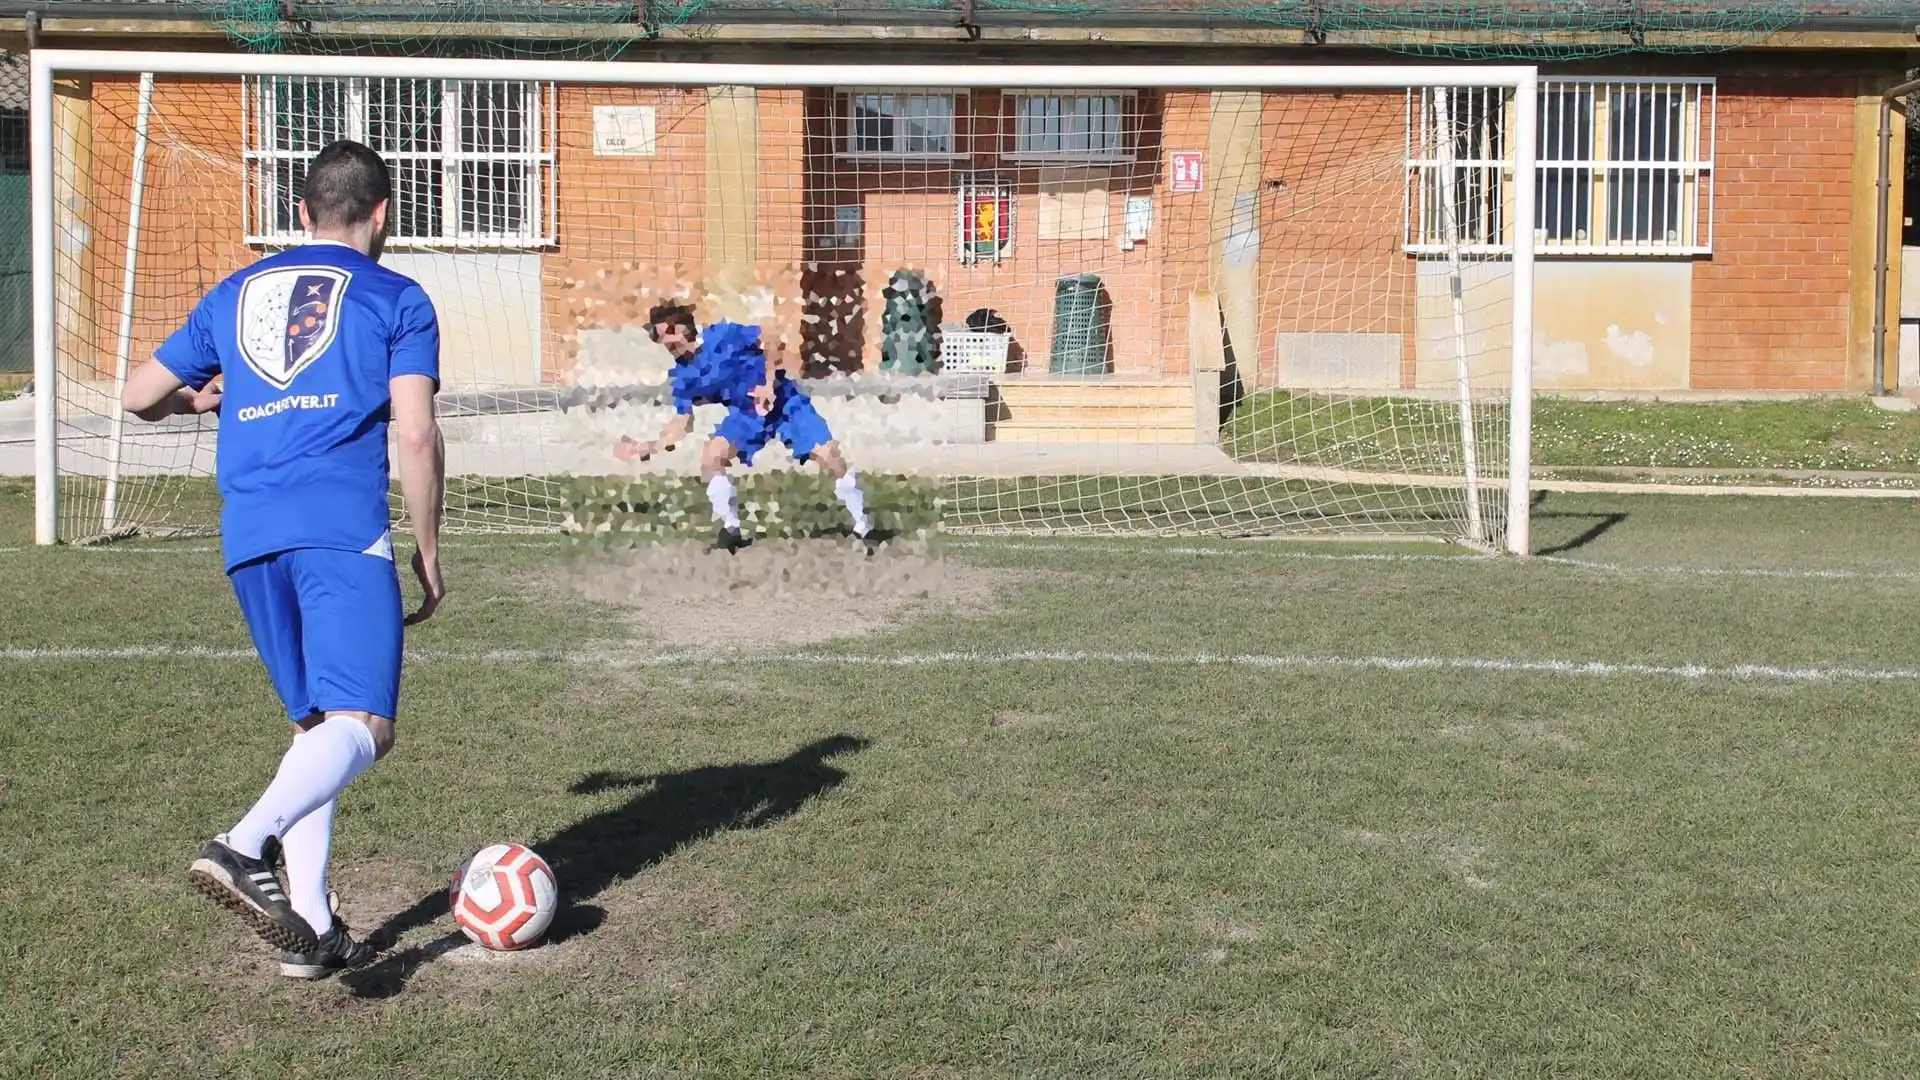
[[1080, 331]]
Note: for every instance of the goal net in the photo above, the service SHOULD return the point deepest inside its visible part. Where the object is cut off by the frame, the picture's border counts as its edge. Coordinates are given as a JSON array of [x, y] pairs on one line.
[[1285, 301]]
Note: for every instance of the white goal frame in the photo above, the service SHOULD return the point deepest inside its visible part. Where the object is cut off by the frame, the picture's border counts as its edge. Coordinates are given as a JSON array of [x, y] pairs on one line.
[[46, 64]]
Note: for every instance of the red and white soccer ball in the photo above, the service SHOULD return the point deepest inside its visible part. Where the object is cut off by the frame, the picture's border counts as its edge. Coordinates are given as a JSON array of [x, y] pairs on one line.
[[504, 897]]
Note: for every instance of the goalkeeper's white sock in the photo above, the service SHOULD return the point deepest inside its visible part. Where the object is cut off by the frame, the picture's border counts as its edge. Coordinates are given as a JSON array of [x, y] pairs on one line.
[[720, 494], [315, 769], [855, 500]]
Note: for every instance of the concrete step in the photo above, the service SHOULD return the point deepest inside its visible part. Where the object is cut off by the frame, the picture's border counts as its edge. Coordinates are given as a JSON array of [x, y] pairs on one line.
[[1072, 393], [1100, 410], [1102, 415], [1089, 435]]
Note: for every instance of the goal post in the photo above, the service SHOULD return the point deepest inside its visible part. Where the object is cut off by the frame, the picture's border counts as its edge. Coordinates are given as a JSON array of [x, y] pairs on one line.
[[1078, 299]]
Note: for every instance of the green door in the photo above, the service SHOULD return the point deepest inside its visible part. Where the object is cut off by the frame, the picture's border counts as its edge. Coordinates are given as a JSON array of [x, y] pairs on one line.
[[16, 292], [16, 225]]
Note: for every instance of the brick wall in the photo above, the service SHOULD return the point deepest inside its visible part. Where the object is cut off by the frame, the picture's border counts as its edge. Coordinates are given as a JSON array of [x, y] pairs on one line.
[[634, 225], [910, 213], [191, 224], [1183, 227], [1770, 306], [1331, 228], [631, 229]]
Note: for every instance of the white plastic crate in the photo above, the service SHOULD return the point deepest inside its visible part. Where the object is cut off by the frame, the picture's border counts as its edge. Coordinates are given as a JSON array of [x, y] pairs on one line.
[[973, 352]]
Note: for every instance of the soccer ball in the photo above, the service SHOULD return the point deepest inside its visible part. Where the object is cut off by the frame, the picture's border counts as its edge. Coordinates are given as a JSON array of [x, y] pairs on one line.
[[504, 897]]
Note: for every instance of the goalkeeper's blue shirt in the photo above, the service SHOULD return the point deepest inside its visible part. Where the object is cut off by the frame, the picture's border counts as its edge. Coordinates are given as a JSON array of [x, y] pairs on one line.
[[307, 340], [724, 370]]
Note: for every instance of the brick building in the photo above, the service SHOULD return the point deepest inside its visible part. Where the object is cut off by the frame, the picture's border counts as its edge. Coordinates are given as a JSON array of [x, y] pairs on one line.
[[1705, 218]]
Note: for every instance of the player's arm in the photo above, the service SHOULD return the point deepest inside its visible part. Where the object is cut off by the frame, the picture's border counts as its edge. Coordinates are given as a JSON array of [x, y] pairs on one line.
[[773, 351], [682, 391], [155, 393], [678, 428], [179, 378], [420, 450]]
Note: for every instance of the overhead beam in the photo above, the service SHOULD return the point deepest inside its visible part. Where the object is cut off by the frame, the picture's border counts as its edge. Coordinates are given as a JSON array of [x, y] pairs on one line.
[[367, 30]]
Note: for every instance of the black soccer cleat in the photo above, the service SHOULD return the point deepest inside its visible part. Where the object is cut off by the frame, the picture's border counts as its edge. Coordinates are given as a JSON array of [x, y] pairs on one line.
[[250, 889], [874, 540], [728, 541], [336, 950]]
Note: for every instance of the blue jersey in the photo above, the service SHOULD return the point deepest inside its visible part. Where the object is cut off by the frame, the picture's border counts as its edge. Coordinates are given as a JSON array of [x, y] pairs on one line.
[[307, 340], [724, 370]]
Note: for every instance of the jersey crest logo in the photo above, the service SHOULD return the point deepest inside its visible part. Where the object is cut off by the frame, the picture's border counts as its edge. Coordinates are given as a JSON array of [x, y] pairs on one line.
[[288, 318]]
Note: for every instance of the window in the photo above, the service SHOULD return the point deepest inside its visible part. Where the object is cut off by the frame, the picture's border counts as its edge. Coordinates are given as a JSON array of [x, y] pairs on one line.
[[898, 124], [1624, 166], [1069, 127], [843, 228], [13, 113], [472, 161]]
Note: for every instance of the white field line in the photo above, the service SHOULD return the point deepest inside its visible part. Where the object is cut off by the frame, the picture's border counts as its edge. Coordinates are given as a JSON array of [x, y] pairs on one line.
[[1628, 487], [1786, 573], [1365, 478], [1260, 551], [612, 658]]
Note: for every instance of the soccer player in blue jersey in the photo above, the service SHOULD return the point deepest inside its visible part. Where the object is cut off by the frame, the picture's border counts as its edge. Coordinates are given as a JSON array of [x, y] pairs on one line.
[[320, 351], [727, 366]]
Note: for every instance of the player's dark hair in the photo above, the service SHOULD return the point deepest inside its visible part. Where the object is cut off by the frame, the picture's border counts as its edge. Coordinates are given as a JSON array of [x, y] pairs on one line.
[[344, 183], [671, 313]]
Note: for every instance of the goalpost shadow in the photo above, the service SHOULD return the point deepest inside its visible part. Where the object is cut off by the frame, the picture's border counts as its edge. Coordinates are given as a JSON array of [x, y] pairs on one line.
[[667, 812]]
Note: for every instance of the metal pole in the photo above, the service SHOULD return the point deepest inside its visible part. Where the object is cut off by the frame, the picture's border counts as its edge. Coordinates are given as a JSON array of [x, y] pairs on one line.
[[1526, 128], [122, 357], [46, 371]]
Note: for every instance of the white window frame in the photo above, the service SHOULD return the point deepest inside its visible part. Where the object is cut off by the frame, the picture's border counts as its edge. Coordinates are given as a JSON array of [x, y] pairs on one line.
[[1607, 196], [843, 119], [1124, 134], [265, 156]]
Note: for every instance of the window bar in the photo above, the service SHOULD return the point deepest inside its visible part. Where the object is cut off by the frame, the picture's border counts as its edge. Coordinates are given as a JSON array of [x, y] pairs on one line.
[[1710, 116], [454, 211], [1671, 171], [249, 162], [1413, 174], [549, 142]]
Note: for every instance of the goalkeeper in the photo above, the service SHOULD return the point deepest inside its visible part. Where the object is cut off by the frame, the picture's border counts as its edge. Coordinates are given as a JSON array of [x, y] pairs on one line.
[[727, 366]]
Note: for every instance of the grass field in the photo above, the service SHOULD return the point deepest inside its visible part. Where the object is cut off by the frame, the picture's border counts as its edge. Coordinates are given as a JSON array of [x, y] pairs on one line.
[[1641, 807], [1729, 439]]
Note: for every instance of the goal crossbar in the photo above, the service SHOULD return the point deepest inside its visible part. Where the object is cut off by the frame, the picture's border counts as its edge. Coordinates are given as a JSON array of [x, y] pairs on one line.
[[46, 64]]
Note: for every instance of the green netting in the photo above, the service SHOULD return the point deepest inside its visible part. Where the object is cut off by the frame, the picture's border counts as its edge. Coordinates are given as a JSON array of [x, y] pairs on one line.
[[1435, 29]]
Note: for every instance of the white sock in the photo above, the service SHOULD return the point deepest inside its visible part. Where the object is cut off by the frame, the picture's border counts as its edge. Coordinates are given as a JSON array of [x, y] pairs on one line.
[[720, 494], [309, 847], [315, 769], [848, 488]]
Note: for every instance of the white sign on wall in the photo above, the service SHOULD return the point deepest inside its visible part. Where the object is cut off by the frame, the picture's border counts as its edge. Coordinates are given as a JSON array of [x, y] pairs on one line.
[[624, 131]]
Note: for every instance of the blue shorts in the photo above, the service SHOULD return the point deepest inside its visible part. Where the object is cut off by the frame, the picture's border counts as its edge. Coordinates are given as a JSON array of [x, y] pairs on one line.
[[328, 626], [794, 421]]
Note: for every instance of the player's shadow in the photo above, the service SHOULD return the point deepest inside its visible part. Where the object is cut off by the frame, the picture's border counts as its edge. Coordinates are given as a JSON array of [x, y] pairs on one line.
[[666, 812]]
